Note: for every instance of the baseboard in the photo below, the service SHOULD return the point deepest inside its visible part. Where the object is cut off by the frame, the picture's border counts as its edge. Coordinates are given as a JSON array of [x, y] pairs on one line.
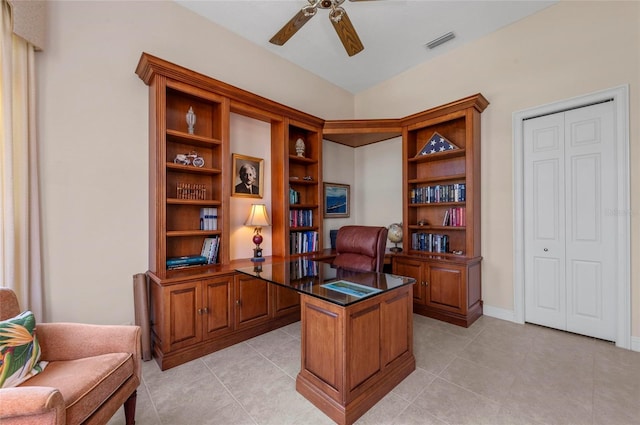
[[499, 313], [635, 343]]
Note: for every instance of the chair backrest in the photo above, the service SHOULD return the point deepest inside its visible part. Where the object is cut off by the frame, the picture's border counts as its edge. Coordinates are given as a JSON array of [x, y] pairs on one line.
[[9, 306], [361, 248]]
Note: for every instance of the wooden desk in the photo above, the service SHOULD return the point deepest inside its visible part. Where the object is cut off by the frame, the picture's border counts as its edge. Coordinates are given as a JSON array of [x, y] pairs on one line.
[[354, 349]]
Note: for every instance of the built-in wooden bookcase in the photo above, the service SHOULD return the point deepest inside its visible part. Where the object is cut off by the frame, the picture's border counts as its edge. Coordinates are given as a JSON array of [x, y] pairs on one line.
[[441, 214], [197, 310], [305, 189], [183, 191]]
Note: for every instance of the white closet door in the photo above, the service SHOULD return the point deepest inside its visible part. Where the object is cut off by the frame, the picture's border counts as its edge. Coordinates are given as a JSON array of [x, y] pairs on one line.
[[591, 224], [570, 230], [544, 198]]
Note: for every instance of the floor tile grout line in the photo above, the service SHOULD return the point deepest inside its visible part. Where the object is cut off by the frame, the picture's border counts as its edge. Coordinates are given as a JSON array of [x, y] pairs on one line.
[[153, 403], [230, 394], [272, 362]]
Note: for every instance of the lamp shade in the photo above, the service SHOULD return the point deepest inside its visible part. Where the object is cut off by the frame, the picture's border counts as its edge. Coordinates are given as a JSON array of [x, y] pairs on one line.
[[258, 216]]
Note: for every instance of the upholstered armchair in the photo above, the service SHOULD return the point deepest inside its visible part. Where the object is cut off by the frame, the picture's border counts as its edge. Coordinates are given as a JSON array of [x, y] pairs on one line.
[[92, 371], [360, 248]]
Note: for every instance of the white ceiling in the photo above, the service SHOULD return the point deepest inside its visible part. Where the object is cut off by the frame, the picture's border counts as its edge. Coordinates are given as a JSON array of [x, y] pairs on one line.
[[394, 32]]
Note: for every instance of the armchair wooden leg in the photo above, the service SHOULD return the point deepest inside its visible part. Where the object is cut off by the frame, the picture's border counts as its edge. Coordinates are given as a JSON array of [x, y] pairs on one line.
[[130, 408]]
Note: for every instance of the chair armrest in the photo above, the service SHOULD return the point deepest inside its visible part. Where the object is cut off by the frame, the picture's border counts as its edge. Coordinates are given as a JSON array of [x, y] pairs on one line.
[[31, 405], [71, 341]]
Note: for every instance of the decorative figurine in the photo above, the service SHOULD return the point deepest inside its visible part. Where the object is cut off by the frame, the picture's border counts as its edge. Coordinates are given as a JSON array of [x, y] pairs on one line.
[[191, 119], [300, 147], [190, 158]]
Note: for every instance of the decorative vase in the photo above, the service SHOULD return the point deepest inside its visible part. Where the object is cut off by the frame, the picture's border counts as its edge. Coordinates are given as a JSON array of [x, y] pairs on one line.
[[300, 147], [191, 120]]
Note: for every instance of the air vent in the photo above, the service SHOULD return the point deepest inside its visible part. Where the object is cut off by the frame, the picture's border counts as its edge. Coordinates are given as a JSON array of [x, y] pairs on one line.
[[440, 40]]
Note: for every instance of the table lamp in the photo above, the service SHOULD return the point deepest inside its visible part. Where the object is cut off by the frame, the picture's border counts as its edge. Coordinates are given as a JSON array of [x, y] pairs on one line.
[[257, 217]]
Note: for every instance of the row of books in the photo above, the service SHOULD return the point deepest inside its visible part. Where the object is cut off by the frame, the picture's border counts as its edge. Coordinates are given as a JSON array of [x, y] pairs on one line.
[[301, 242], [300, 218], [429, 242], [208, 219], [208, 255], [439, 193], [303, 267], [294, 196], [456, 217]]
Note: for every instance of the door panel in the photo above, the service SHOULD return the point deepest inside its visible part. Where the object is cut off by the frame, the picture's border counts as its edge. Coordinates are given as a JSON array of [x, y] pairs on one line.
[[445, 288], [591, 237], [544, 222], [184, 320], [414, 269], [252, 301], [219, 306]]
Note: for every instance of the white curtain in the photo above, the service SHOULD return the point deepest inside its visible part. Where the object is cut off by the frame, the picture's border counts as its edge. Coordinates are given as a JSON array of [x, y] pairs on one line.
[[20, 244]]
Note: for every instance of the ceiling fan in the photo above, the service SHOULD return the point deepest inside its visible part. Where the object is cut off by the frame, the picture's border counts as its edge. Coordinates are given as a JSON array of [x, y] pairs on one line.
[[338, 16]]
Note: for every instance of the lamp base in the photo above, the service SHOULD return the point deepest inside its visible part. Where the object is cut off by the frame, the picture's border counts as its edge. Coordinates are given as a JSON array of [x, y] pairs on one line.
[[257, 254]]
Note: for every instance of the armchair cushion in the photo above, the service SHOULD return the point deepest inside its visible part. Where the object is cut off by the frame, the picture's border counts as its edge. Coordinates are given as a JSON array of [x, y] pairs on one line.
[[86, 383], [19, 350]]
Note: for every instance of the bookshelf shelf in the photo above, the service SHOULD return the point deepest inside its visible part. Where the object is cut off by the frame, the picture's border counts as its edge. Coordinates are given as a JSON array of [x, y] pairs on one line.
[[192, 139], [186, 233], [438, 179], [195, 202], [303, 206], [439, 156], [191, 169]]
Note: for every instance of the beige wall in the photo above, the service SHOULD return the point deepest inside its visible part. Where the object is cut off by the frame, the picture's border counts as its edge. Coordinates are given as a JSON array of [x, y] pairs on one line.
[[567, 50], [93, 133], [93, 128]]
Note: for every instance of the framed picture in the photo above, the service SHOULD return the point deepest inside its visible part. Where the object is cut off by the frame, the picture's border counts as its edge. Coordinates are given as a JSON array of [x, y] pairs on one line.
[[336, 200], [248, 176]]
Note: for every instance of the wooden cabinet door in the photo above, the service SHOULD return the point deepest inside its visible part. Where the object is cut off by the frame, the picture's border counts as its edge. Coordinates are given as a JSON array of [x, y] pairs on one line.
[[252, 301], [217, 313], [184, 325], [285, 300], [415, 269], [445, 288]]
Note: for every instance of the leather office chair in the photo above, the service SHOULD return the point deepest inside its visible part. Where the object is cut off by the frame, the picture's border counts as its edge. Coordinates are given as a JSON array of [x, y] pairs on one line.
[[93, 370], [361, 248]]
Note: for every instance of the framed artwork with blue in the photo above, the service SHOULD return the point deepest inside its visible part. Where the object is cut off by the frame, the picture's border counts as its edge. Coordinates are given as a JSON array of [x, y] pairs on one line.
[[336, 200], [436, 143]]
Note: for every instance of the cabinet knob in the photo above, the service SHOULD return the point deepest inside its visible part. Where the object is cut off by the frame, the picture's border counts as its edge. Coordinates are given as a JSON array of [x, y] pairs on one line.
[[425, 283], [199, 311], [237, 302], [546, 249], [205, 310]]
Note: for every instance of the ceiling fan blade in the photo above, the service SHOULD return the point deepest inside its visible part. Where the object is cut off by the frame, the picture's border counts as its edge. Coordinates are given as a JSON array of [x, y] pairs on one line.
[[348, 35], [290, 28]]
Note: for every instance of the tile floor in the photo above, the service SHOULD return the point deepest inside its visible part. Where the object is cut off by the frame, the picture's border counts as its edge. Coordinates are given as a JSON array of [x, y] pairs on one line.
[[494, 372]]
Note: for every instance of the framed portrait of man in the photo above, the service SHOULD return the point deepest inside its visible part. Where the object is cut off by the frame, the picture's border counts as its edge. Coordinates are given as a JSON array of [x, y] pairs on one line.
[[248, 176]]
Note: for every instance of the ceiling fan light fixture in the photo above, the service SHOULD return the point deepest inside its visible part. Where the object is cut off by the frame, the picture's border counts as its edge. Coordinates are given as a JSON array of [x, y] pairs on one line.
[[440, 40], [309, 11], [336, 14]]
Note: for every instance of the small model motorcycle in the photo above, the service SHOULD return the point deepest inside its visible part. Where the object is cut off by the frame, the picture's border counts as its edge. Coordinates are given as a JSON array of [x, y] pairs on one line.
[[190, 158]]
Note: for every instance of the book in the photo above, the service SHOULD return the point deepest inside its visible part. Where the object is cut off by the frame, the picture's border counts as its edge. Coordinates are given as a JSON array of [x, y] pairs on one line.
[[210, 248], [186, 260], [208, 219], [445, 220], [213, 259], [207, 248]]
